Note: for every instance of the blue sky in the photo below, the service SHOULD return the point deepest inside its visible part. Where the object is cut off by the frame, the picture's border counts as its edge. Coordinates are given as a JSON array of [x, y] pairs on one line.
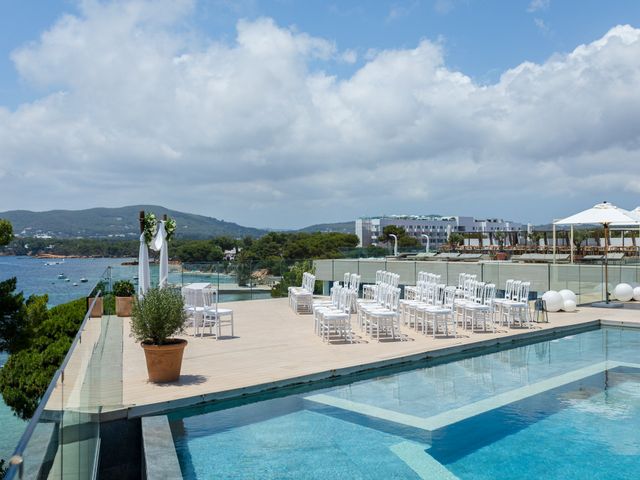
[[333, 58]]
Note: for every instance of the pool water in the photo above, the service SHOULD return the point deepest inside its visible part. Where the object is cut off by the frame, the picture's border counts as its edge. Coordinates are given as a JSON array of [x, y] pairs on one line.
[[563, 408]]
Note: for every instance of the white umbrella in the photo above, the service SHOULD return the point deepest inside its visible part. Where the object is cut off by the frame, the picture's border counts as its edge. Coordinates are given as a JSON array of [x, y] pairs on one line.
[[603, 214], [159, 243], [143, 267]]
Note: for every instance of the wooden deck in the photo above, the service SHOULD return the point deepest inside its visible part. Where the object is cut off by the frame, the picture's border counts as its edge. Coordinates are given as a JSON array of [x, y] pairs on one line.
[[273, 346]]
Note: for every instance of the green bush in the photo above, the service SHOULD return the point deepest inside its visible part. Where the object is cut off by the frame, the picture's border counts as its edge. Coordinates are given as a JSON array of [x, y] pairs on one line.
[[157, 316], [123, 288], [28, 372]]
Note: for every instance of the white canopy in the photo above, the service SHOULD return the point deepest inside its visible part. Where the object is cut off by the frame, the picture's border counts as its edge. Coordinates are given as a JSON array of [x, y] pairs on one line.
[[159, 243], [602, 213], [143, 267]]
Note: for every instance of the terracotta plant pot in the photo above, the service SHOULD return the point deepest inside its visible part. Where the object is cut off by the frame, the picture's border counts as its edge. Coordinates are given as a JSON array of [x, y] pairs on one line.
[[98, 308], [123, 306], [164, 361]]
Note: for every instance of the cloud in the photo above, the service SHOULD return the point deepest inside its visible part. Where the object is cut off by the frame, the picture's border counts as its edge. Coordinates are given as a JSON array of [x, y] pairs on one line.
[[400, 10], [136, 107], [537, 5], [444, 6], [542, 26]]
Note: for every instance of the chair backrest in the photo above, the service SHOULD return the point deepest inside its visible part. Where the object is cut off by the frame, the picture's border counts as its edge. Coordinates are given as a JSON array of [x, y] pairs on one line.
[[354, 283], [449, 297], [379, 276], [461, 279], [346, 279], [489, 294], [524, 291], [210, 298], [508, 289], [478, 292], [439, 289]]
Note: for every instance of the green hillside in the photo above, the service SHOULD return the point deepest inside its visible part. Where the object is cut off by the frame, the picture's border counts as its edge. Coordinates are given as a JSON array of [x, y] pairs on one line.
[[341, 227], [117, 223]]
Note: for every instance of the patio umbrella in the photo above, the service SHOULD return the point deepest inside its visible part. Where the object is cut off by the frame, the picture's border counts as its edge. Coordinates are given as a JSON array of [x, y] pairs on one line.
[[603, 214], [159, 243], [143, 267]]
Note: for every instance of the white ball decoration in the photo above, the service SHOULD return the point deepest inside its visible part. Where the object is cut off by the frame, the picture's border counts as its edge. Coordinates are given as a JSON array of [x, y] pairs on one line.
[[553, 300], [569, 306], [636, 294], [623, 292], [568, 295]]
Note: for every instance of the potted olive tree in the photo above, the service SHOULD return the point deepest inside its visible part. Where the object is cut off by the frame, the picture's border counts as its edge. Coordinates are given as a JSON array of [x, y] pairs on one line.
[[155, 318], [124, 291]]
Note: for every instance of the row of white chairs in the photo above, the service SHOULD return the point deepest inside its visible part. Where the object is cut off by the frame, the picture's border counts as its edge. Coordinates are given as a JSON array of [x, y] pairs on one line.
[[201, 307], [475, 307], [515, 307], [333, 317], [379, 315], [431, 311], [412, 292], [301, 298], [382, 278]]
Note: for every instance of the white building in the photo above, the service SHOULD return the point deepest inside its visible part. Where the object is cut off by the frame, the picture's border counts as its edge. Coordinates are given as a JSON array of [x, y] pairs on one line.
[[368, 229]]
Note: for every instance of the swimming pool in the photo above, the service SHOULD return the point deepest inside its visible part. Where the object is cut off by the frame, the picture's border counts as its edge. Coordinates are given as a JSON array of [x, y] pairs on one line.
[[563, 408]]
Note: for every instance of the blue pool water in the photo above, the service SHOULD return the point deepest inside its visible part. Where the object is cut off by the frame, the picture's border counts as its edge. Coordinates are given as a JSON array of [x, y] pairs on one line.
[[564, 408]]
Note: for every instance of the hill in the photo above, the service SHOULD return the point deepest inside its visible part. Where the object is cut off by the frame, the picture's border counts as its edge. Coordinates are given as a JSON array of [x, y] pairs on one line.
[[341, 227], [117, 223]]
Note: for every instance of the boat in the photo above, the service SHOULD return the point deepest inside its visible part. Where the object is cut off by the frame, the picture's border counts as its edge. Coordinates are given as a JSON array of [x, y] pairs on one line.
[[75, 284], [83, 280], [62, 276], [67, 280]]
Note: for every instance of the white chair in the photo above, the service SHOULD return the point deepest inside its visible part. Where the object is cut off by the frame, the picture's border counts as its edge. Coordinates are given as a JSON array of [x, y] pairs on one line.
[[482, 312], [384, 317], [193, 306], [442, 317], [336, 321], [213, 315], [517, 310]]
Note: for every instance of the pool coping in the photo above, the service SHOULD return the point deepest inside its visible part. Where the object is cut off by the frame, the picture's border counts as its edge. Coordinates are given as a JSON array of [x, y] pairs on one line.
[[137, 411]]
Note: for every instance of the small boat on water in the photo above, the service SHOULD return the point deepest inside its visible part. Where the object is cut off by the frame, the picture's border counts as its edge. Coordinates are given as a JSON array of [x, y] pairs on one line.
[[62, 276], [67, 280], [83, 280], [75, 284]]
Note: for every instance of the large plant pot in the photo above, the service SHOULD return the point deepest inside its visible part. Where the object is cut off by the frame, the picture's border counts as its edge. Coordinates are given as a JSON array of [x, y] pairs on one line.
[[97, 309], [123, 306], [164, 361]]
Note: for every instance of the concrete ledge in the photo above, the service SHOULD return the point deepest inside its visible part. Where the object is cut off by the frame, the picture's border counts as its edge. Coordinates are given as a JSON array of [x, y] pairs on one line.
[[516, 339], [159, 451]]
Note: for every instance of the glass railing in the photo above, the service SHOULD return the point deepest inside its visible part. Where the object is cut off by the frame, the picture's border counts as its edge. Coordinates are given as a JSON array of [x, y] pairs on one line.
[[235, 280], [62, 439], [586, 280]]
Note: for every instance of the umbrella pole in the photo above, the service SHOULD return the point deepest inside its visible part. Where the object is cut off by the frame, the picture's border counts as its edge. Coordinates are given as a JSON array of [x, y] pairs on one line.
[[571, 242], [606, 262], [554, 243]]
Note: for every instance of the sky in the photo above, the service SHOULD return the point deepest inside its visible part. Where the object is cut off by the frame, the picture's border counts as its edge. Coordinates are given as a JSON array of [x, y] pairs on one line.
[[284, 113]]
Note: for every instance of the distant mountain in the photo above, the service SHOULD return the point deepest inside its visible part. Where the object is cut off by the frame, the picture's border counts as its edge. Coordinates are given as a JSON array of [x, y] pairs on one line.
[[341, 227], [117, 223]]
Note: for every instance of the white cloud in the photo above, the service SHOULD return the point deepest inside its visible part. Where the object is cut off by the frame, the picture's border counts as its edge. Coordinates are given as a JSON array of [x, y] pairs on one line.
[[537, 5], [542, 26], [135, 109]]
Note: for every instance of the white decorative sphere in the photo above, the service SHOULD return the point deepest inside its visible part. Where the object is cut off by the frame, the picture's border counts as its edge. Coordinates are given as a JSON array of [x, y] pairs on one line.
[[553, 301], [623, 292], [569, 306], [568, 295], [636, 294]]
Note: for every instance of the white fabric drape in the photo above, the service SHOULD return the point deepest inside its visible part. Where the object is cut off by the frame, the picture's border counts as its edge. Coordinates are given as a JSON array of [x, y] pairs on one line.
[[143, 268], [159, 243]]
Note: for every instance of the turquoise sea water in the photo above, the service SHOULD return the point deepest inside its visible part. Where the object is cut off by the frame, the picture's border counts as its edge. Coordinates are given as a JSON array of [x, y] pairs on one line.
[[563, 408]]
